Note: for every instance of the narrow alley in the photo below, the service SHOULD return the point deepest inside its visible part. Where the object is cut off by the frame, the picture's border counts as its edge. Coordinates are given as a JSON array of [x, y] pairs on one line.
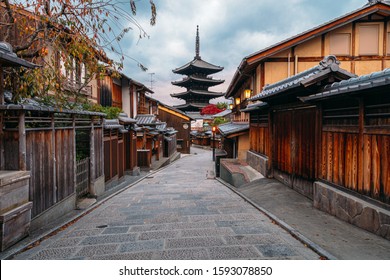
[[179, 213]]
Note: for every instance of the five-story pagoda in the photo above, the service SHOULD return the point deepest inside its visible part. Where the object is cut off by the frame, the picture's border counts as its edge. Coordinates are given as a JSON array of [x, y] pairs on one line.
[[197, 83]]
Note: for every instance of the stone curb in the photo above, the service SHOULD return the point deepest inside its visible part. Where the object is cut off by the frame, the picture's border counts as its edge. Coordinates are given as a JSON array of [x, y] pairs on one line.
[[295, 233]]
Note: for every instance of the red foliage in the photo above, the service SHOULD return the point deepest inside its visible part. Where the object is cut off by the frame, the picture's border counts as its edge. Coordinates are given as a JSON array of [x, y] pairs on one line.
[[211, 109]]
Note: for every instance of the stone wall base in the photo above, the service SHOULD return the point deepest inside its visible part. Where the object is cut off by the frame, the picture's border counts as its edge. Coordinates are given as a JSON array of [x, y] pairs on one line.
[[98, 186], [352, 209], [231, 173], [55, 212], [259, 163]]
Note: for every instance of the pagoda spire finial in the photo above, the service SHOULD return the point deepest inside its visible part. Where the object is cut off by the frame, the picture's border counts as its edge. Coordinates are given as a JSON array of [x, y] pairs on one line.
[[197, 43]]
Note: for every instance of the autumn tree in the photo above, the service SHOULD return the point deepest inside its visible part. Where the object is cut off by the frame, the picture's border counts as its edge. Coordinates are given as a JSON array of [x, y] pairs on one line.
[[211, 109], [72, 36]]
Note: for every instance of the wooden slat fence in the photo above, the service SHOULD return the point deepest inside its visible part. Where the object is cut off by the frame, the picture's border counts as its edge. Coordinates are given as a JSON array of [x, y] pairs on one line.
[[82, 177], [49, 152], [355, 148]]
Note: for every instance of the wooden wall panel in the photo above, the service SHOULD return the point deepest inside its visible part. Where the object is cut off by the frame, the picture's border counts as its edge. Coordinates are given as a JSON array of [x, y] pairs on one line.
[[340, 161], [64, 163], [98, 153], [40, 163], [385, 167], [11, 150], [259, 139], [282, 141]]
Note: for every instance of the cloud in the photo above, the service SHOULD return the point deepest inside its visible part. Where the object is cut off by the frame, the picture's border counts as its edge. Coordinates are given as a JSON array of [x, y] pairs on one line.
[[229, 31]]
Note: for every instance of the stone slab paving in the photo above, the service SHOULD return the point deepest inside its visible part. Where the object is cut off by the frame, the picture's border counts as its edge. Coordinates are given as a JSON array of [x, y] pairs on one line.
[[176, 213]]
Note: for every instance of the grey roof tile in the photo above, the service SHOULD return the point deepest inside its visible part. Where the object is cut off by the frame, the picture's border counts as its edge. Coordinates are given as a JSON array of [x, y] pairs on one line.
[[329, 63], [146, 119], [376, 79], [230, 128]]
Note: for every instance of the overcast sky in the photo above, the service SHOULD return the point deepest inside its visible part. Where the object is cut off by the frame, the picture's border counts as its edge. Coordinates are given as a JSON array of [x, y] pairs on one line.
[[229, 31]]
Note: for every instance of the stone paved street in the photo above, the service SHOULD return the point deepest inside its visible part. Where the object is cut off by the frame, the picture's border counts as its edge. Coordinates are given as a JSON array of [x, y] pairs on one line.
[[179, 212]]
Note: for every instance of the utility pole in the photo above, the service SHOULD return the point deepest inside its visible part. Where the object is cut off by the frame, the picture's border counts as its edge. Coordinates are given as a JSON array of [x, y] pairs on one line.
[[151, 80]]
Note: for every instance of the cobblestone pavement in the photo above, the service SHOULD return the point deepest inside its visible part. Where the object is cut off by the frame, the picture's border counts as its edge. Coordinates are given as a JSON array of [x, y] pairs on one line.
[[177, 213]]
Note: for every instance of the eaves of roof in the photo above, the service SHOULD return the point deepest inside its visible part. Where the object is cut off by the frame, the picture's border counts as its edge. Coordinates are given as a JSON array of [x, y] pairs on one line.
[[146, 119], [353, 85], [255, 106], [192, 79], [198, 92], [10, 59], [199, 64], [232, 128], [174, 111], [328, 66]]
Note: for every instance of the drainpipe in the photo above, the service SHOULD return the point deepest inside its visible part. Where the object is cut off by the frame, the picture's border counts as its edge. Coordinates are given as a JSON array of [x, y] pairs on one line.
[[296, 65]]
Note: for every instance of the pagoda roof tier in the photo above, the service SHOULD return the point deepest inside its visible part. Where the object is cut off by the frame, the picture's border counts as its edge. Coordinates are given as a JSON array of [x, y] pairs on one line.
[[191, 107], [201, 93], [197, 66], [195, 80]]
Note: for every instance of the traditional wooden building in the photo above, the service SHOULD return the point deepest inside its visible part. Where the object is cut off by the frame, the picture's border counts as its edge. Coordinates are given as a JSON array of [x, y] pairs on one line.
[[283, 133], [325, 133], [353, 151], [359, 39], [180, 122], [150, 136], [197, 83]]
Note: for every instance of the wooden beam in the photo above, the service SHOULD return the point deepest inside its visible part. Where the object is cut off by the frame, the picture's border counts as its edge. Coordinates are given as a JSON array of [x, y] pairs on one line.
[[384, 45], [53, 158], [360, 151], [1, 85], [22, 142]]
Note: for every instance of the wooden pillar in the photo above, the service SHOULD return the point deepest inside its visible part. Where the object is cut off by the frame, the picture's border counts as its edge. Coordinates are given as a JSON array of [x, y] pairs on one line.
[[53, 158], [1, 85], [318, 141], [22, 142], [92, 159], [270, 143], [74, 152], [384, 46], [102, 148], [361, 171], [2, 163], [354, 50]]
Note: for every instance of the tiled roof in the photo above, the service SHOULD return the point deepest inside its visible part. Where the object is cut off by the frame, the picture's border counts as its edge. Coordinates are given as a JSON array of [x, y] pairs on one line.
[[200, 64], [327, 65], [370, 81], [29, 104], [146, 119], [113, 124], [123, 118], [161, 126], [255, 106], [198, 92], [9, 59], [186, 106], [193, 78], [224, 113], [231, 128]]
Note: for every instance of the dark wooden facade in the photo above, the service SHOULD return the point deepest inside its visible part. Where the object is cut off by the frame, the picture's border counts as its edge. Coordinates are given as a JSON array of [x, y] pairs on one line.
[[286, 131], [119, 151], [113, 158], [181, 123], [334, 138], [354, 147], [44, 143]]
